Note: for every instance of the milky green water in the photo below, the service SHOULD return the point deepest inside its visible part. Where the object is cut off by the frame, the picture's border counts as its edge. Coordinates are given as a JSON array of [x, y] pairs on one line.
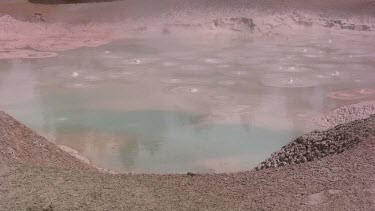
[[170, 105]]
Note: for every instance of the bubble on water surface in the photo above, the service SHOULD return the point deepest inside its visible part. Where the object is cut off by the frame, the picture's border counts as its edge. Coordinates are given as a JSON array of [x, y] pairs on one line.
[[212, 61], [61, 119], [222, 65], [184, 89], [188, 89], [294, 69], [313, 55], [136, 61], [235, 73], [278, 80], [172, 81], [77, 85], [75, 74], [193, 90], [336, 73]]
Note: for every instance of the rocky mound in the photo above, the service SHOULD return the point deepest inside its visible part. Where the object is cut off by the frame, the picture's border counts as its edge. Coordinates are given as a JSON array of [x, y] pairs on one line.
[[347, 114], [318, 144], [20, 144]]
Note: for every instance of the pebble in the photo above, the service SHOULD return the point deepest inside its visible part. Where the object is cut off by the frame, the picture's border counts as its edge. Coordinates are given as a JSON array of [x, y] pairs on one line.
[[336, 73], [193, 90], [191, 174], [136, 61], [75, 74]]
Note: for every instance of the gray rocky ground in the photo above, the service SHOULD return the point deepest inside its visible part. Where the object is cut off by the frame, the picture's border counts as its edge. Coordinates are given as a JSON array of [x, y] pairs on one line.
[[318, 144]]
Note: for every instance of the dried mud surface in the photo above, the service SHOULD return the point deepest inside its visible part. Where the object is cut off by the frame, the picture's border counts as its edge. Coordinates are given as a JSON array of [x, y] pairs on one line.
[[37, 31]]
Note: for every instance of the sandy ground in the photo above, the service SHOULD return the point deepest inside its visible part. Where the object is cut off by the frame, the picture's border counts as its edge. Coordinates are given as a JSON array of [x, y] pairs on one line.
[[340, 182]]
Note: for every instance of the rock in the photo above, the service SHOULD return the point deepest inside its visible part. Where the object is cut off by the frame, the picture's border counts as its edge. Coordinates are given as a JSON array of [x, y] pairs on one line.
[[38, 17], [316, 198], [235, 24], [191, 174]]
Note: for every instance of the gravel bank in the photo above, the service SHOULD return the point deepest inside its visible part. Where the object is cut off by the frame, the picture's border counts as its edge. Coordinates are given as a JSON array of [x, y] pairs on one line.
[[20, 144], [318, 144], [31, 178], [338, 182], [347, 114]]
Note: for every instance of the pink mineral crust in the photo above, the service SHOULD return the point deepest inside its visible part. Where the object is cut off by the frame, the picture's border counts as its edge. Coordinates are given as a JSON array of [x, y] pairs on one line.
[[45, 39], [53, 28]]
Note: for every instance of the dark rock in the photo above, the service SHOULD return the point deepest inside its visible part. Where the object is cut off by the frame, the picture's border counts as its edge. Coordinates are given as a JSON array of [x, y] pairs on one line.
[[191, 174], [235, 24]]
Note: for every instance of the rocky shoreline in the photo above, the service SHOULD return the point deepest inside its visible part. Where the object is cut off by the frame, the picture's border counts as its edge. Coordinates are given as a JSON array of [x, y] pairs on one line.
[[318, 144], [36, 175]]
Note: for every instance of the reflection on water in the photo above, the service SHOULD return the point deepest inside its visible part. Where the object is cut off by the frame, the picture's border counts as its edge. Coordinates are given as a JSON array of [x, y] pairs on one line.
[[171, 105]]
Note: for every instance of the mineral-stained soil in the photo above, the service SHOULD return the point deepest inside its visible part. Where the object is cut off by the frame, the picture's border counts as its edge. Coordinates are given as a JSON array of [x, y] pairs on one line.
[[42, 30], [36, 175]]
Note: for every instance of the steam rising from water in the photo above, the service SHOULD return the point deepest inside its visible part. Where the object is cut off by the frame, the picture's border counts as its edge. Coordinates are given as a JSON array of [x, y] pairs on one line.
[[172, 86], [141, 105]]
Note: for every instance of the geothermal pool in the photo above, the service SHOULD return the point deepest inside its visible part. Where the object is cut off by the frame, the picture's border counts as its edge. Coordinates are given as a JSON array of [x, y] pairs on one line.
[[172, 105]]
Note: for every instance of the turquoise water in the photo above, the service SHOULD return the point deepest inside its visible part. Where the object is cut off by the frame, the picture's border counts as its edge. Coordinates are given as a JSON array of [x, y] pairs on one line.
[[172, 105]]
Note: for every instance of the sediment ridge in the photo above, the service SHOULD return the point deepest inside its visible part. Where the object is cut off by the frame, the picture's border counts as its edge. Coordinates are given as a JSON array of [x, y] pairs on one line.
[[318, 144]]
